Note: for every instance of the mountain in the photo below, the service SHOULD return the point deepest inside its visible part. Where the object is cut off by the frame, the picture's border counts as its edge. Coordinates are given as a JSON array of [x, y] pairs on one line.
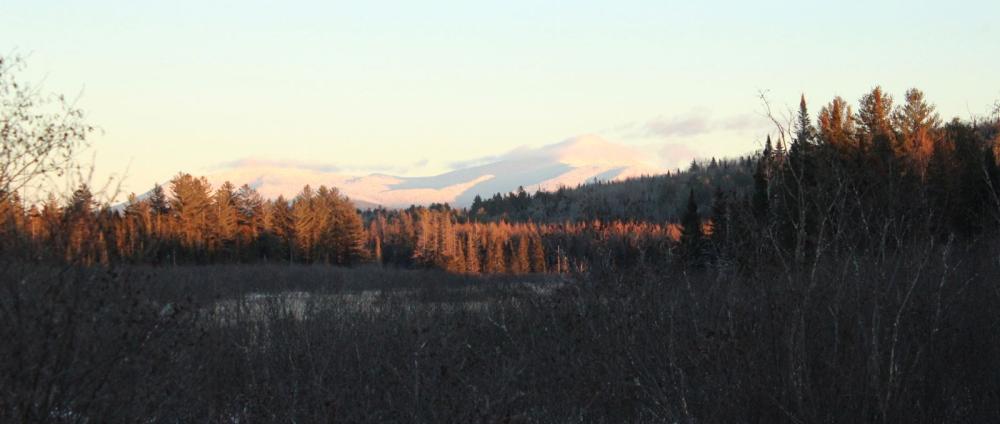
[[568, 163]]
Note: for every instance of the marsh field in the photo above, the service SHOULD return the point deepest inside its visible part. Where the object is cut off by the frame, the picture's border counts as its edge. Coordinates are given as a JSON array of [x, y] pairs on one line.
[[278, 343]]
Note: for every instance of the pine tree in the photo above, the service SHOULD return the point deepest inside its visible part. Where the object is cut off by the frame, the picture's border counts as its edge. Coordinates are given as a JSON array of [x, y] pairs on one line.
[[158, 200], [350, 232], [304, 223], [425, 248], [225, 220], [520, 261], [917, 122], [537, 254], [836, 125], [283, 226], [972, 192], [874, 117], [720, 218], [250, 207], [471, 252], [191, 207], [804, 134], [496, 257], [692, 236], [761, 195], [79, 222]]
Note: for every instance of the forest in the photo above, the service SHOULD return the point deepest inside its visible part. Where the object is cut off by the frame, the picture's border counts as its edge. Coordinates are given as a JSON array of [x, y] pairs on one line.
[[824, 185], [845, 272]]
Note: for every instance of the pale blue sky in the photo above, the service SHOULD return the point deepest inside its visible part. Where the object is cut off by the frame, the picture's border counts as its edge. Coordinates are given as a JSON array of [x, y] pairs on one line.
[[412, 87]]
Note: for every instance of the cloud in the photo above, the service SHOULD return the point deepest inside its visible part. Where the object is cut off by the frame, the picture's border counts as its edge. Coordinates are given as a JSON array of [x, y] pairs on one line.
[[517, 152], [392, 169], [677, 127], [319, 167], [674, 155], [276, 163], [692, 124], [744, 122]]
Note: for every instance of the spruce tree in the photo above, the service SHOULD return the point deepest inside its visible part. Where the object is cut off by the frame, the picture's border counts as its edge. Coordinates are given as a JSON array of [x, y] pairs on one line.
[[760, 200], [692, 236], [720, 218]]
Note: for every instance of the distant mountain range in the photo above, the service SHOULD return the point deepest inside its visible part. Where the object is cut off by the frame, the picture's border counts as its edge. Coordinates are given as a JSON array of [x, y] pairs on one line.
[[568, 163]]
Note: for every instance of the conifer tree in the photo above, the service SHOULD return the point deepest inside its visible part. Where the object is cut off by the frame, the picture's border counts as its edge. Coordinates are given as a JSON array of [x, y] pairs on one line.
[[720, 217], [79, 222], [760, 199], [496, 257], [471, 252], [917, 122], [191, 207], [350, 233], [283, 226], [692, 236], [304, 224], [537, 254], [250, 207], [836, 125], [225, 219], [520, 261], [874, 116]]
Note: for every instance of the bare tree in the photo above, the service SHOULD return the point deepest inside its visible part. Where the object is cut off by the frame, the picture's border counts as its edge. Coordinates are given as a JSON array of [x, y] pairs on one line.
[[39, 133]]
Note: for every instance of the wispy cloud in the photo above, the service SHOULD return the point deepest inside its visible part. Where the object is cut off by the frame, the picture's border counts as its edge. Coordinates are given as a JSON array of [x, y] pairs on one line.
[[392, 169], [320, 167], [677, 126], [519, 151], [674, 155], [276, 163], [691, 124]]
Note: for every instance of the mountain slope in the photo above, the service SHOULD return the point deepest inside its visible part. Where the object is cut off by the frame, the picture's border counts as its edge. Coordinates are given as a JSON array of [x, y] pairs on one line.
[[568, 163]]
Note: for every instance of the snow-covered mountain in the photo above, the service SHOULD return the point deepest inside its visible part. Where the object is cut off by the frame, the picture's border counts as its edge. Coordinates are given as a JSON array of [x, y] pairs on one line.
[[574, 161]]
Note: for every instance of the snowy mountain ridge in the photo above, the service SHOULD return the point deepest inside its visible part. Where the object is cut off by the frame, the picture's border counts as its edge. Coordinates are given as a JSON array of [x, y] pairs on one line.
[[568, 163]]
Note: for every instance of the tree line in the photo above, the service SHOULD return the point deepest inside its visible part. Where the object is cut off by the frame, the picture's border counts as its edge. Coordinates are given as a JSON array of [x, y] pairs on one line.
[[191, 224], [883, 177], [821, 185]]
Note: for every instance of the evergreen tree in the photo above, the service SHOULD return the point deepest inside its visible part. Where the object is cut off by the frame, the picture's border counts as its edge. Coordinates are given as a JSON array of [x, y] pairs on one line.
[[350, 232], [158, 200], [836, 125], [537, 254], [471, 252], [760, 199], [917, 121], [80, 226], [720, 218], [251, 216], [191, 207], [874, 117], [225, 219], [692, 236], [304, 223], [520, 262], [283, 226]]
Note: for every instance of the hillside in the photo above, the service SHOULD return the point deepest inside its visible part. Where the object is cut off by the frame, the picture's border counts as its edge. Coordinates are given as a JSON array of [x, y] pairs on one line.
[[565, 164]]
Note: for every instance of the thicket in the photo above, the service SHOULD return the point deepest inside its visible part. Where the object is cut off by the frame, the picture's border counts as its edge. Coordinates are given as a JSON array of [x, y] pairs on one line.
[[855, 280]]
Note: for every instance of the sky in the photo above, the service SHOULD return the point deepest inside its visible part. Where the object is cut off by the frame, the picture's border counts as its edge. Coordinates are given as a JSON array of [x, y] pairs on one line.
[[418, 87]]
